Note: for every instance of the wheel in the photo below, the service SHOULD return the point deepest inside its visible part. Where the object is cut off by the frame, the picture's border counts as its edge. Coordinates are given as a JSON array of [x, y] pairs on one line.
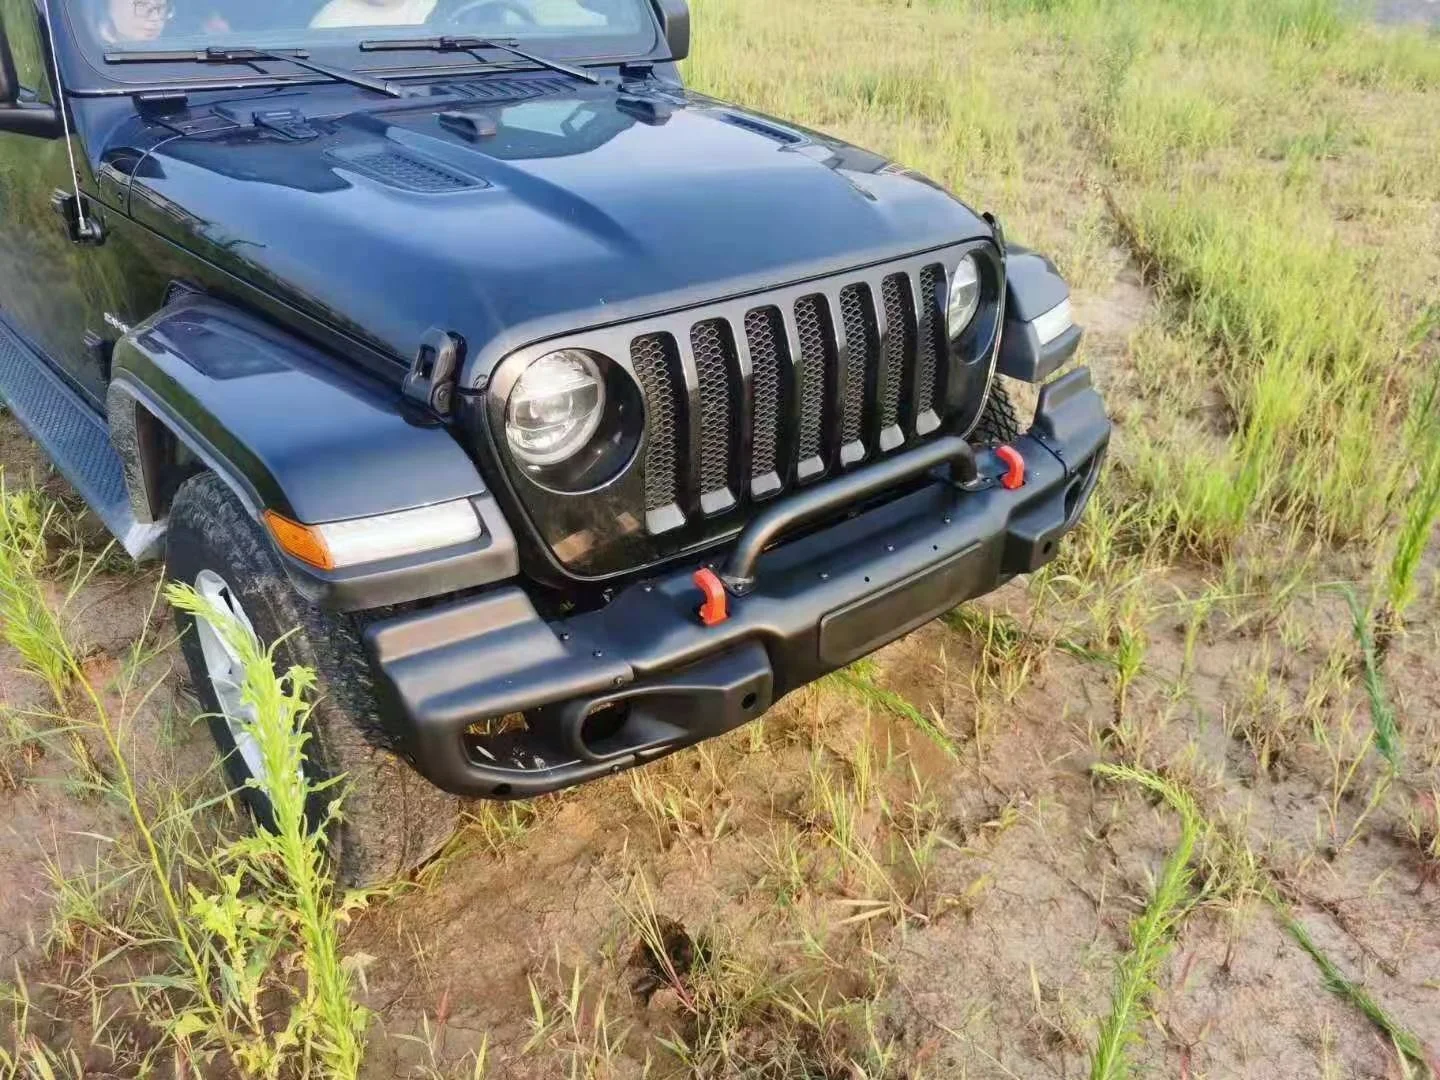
[[999, 424], [392, 819]]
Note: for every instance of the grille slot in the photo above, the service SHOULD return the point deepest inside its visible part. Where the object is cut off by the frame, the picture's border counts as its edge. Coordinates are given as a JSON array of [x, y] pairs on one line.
[[900, 339], [747, 402], [816, 374], [862, 340], [657, 365], [717, 373], [765, 334], [930, 347]]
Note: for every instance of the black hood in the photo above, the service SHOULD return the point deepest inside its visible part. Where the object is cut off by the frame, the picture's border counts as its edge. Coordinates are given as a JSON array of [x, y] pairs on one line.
[[510, 222]]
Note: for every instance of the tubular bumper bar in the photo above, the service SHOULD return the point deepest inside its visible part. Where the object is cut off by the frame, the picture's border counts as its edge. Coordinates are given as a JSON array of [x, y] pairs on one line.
[[814, 503], [644, 677]]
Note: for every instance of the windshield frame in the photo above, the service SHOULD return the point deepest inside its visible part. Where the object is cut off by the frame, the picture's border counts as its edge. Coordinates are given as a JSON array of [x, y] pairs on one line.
[[79, 52]]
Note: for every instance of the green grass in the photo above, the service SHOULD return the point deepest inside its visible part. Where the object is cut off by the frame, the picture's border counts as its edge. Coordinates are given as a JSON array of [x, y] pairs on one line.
[[1151, 935], [286, 866], [1382, 715], [1234, 868], [1422, 507], [858, 680], [205, 928], [1411, 1053]]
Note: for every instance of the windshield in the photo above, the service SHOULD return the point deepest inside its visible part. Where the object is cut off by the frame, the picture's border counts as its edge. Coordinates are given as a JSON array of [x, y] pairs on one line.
[[581, 28]]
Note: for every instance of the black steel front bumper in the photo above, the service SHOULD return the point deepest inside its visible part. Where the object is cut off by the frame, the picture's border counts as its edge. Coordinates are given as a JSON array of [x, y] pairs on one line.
[[643, 677]]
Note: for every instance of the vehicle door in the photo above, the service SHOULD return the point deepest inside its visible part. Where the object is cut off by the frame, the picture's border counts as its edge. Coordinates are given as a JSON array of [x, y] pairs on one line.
[[54, 291]]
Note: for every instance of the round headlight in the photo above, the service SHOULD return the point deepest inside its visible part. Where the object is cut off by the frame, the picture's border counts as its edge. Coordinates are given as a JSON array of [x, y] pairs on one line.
[[555, 408], [964, 296]]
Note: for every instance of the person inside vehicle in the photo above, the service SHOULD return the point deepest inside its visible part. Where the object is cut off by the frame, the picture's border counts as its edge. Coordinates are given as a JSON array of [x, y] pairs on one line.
[[133, 20], [373, 13], [121, 21]]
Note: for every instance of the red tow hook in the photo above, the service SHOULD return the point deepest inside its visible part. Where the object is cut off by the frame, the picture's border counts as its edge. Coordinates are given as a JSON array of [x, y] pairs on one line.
[[1014, 477], [715, 609]]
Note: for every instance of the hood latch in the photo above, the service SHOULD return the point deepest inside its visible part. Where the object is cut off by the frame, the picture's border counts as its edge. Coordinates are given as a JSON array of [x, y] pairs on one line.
[[431, 380]]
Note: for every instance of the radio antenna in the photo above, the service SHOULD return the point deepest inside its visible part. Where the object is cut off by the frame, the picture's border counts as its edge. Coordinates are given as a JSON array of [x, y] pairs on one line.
[[86, 231]]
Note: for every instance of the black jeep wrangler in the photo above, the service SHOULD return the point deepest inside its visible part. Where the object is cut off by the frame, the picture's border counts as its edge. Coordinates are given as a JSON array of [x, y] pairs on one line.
[[573, 417]]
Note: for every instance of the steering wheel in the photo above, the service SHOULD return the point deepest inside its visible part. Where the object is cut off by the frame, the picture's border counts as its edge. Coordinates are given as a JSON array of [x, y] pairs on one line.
[[463, 12]]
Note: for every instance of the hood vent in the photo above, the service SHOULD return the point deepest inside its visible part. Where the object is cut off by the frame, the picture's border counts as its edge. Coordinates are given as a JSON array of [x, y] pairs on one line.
[[496, 89], [759, 127], [404, 169]]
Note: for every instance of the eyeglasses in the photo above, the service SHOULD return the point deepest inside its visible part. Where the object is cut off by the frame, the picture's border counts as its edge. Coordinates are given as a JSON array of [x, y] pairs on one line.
[[153, 9]]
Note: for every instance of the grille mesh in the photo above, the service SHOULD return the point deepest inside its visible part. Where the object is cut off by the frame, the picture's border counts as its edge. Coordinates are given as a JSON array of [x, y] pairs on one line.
[[927, 357], [714, 359], [811, 323], [765, 332], [861, 334], [899, 344], [655, 359]]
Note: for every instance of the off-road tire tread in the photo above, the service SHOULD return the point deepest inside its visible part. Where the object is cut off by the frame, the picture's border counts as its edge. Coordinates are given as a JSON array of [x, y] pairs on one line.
[[392, 819], [1000, 422]]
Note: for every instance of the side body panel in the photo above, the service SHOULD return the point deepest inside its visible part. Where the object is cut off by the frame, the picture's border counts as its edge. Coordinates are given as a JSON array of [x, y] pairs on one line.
[[54, 292]]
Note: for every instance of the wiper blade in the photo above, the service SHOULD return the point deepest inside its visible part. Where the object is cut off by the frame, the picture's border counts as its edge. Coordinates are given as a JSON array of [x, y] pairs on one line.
[[247, 55], [473, 45]]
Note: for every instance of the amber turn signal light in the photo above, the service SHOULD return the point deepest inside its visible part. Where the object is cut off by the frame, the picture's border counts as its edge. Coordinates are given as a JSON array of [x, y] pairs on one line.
[[302, 541]]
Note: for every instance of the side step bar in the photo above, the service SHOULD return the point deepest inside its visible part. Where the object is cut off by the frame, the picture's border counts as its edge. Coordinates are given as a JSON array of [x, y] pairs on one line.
[[76, 439]]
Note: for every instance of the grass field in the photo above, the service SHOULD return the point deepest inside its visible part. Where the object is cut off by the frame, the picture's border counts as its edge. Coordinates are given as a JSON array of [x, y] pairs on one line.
[[1170, 807]]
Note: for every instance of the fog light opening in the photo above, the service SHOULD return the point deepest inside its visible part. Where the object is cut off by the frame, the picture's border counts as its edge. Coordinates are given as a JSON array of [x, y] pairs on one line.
[[603, 724], [1072, 499]]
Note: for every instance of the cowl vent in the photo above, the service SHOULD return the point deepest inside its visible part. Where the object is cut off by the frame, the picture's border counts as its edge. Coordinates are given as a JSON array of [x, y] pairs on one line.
[[496, 89]]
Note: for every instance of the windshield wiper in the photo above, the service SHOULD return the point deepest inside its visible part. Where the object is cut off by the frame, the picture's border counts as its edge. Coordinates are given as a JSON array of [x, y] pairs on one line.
[[245, 55], [472, 46]]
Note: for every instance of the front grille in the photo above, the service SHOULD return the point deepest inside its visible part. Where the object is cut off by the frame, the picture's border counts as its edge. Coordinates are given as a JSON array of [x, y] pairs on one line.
[[786, 393], [744, 399]]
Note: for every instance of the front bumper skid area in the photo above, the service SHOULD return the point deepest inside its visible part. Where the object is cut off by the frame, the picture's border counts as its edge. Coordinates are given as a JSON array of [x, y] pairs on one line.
[[643, 677]]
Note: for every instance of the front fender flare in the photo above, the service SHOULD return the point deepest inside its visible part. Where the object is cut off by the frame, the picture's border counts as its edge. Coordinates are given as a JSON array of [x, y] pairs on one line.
[[290, 429]]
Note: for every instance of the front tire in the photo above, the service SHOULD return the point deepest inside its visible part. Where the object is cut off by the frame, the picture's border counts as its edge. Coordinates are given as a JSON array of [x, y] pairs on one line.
[[391, 819], [999, 424]]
